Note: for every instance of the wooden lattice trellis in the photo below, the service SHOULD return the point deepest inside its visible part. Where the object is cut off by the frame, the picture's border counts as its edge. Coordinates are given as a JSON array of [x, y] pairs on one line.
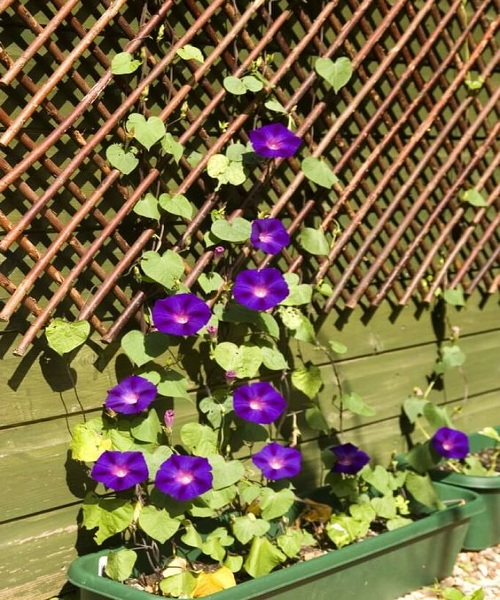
[[406, 138]]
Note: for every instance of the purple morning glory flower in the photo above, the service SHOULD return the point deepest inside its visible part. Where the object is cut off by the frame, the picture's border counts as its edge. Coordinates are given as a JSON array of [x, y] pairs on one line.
[[260, 290], [132, 395], [269, 235], [277, 462], [120, 470], [274, 141], [184, 477], [181, 314], [258, 402], [350, 459], [450, 443]]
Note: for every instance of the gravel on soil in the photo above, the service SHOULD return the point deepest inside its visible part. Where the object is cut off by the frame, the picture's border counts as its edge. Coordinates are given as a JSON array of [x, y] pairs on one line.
[[472, 570]]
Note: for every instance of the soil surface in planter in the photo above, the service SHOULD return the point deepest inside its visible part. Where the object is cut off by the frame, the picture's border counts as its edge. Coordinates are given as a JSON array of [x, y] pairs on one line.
[[486, 457], [472, 570]]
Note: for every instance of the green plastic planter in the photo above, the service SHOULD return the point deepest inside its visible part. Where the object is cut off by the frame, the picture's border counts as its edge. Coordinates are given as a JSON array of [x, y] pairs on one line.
[[383, 567], [484, 530]]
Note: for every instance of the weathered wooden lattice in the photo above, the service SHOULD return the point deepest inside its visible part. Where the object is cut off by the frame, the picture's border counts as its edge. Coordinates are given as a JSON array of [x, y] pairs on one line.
[[415, 128]]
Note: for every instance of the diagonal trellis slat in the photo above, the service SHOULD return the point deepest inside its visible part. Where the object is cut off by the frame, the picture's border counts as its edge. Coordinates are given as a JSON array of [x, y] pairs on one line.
[[415, 129]]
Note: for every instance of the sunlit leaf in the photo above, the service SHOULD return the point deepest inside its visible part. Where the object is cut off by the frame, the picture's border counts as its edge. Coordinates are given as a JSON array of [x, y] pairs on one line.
[[317, 171], [189, 52], [354, 403], [146, 131], [157, 523], [455, 297], [123, 160], [313, 241], [147, 207], [263, 557], [308, 380], [87, 444], [337, 73], [124, 63], [63, 336], [249, 526], [120, 564], [166, 268]]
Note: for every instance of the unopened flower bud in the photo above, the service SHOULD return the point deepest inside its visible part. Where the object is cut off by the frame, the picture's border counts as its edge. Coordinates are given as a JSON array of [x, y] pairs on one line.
[[169, 419], [218, 253], [230, 377], [212, 331]]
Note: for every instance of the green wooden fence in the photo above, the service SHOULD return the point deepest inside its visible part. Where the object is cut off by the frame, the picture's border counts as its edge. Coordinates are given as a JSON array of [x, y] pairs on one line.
[[406, 139]]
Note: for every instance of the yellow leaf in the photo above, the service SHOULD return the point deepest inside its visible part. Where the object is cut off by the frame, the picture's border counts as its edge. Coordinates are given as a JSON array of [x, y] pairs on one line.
[[209, 583]]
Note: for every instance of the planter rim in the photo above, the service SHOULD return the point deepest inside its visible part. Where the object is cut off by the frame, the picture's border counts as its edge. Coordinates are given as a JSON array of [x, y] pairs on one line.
[[83, 571], [481, 482]]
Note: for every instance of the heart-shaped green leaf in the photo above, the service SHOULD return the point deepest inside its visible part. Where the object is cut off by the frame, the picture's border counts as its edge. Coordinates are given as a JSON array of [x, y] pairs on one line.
[[189, 52], [223, 169], [337, 72], [142, 348], [63, 336], [146, 132], [157, 523], [173, 385], [244, 360], [234, 85], [210, 282], [171, 146], [319, 172], [225, 473], [263, 557], [125, 162], [177, 205], [120, 564], [146, 428], [165, 269], [249, 526], [147, 207], [357, 405], [275, 504], [237, 231], [124, 63], [313, 241], [308, 380]]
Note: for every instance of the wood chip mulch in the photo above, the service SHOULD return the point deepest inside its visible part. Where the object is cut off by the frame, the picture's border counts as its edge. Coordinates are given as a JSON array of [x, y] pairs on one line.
[[472, 570]]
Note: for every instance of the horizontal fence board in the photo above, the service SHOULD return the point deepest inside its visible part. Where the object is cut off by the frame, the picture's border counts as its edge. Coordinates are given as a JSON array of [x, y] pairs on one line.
[[40, 386], [35, 554], [385, 381]]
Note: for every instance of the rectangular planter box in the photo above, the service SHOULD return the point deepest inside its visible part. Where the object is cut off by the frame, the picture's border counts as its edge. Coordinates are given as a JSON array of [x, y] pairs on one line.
[[484, 530], [382, 567]]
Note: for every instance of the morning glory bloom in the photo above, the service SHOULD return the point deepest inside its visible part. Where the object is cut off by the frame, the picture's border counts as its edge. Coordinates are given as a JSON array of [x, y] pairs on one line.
[[184, 477], [120, 470], [278, 462], [350, 459], [132, 395], [260, 290], [258, 402], [269, 235], [181, 314], [274, 141], [450, 443]]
